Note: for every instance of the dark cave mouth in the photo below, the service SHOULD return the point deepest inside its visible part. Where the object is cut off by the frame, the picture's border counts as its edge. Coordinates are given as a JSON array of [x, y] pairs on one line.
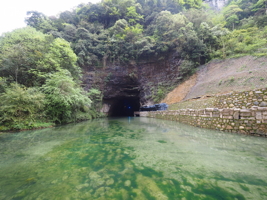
[[123, 106]]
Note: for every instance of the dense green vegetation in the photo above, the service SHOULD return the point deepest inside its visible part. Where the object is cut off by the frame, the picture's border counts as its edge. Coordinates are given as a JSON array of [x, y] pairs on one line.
[[40, 81], [42, 63], [125, 30]]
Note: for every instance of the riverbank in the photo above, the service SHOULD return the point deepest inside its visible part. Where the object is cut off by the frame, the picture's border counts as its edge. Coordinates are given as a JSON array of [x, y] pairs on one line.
[[246, 121], [34, 126], [236, 112]]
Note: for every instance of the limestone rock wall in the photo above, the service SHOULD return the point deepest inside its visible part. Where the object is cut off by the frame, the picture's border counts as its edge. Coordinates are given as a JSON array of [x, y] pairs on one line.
[[217, 4], [140, 79]]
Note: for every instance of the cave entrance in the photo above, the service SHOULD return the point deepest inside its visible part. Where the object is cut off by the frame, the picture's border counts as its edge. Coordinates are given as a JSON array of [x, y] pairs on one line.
[[123, 106]]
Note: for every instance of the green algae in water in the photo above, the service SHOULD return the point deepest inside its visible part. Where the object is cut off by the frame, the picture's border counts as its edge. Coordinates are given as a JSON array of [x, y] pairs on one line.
[[245, 188], [118, 159]]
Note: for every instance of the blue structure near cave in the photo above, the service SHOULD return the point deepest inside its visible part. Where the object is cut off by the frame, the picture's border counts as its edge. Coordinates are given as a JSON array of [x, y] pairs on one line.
[[160, 106]]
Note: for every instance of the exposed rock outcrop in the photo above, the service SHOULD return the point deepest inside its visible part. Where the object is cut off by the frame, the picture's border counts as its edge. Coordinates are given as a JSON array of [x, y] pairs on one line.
[[137, 81]]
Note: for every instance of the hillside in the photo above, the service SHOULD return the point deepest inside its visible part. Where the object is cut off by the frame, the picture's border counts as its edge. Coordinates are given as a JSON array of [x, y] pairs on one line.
[[219, 77], [114, 57]]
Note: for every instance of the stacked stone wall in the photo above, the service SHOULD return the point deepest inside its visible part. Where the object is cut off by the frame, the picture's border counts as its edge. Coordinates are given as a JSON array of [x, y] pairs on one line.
[[245, 99], [237, 112], [247, 121]]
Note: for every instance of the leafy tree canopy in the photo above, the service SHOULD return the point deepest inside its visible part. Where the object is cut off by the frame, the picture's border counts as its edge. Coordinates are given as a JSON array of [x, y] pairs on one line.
[[64, 98], [27, 56], [124, 30]]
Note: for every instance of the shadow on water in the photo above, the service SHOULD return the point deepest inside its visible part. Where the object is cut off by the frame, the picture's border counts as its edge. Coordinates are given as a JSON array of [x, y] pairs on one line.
[[131, 158]]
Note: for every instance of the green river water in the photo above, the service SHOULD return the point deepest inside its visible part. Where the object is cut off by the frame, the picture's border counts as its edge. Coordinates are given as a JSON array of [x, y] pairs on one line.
[[131, 158]]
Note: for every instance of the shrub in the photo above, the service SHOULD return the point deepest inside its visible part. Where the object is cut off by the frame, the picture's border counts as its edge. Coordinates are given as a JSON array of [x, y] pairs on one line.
[[21, 107], [64, 98]]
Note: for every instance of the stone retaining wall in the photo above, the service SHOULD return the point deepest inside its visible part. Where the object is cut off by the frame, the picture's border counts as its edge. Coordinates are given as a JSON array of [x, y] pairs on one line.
[[247, 121], [245, 99]]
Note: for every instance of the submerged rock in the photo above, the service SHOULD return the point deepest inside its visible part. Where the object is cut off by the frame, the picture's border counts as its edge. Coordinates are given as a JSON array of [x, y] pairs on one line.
[[127, 183], [54, 181], [118, 150], [94, 175], [65, 177], [96, 180], [100, 192], [79, 187], [110, 181]]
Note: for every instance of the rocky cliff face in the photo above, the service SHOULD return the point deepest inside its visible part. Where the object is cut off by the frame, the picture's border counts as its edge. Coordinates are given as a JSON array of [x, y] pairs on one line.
[[126, 87], [216, 4]]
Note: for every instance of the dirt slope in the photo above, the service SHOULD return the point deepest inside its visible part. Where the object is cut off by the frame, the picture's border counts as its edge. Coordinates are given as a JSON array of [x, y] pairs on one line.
[[180, 92], [218, 77]]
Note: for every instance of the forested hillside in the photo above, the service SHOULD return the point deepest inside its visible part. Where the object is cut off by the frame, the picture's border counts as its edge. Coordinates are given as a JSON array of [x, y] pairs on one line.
[[41, 65], [125, 30]]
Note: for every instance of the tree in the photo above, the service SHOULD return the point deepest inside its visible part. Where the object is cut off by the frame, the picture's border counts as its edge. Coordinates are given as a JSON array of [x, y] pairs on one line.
[[27, 56], [231, 15], [35, 18], [19, 52], [69, 17], [165, 29], [39, 21], [69, 32], [132, 16], [64, 99], [3, 85], [260, 7], [61, 56], [190, 3], [208, 38], [222, 35], [192, 47]]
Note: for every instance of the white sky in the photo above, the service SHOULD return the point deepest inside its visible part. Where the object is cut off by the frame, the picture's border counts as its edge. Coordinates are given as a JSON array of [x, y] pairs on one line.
[[13, 12]]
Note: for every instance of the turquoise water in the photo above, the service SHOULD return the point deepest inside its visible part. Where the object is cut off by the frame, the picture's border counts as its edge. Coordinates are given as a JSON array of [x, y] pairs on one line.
[[131, 158]]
